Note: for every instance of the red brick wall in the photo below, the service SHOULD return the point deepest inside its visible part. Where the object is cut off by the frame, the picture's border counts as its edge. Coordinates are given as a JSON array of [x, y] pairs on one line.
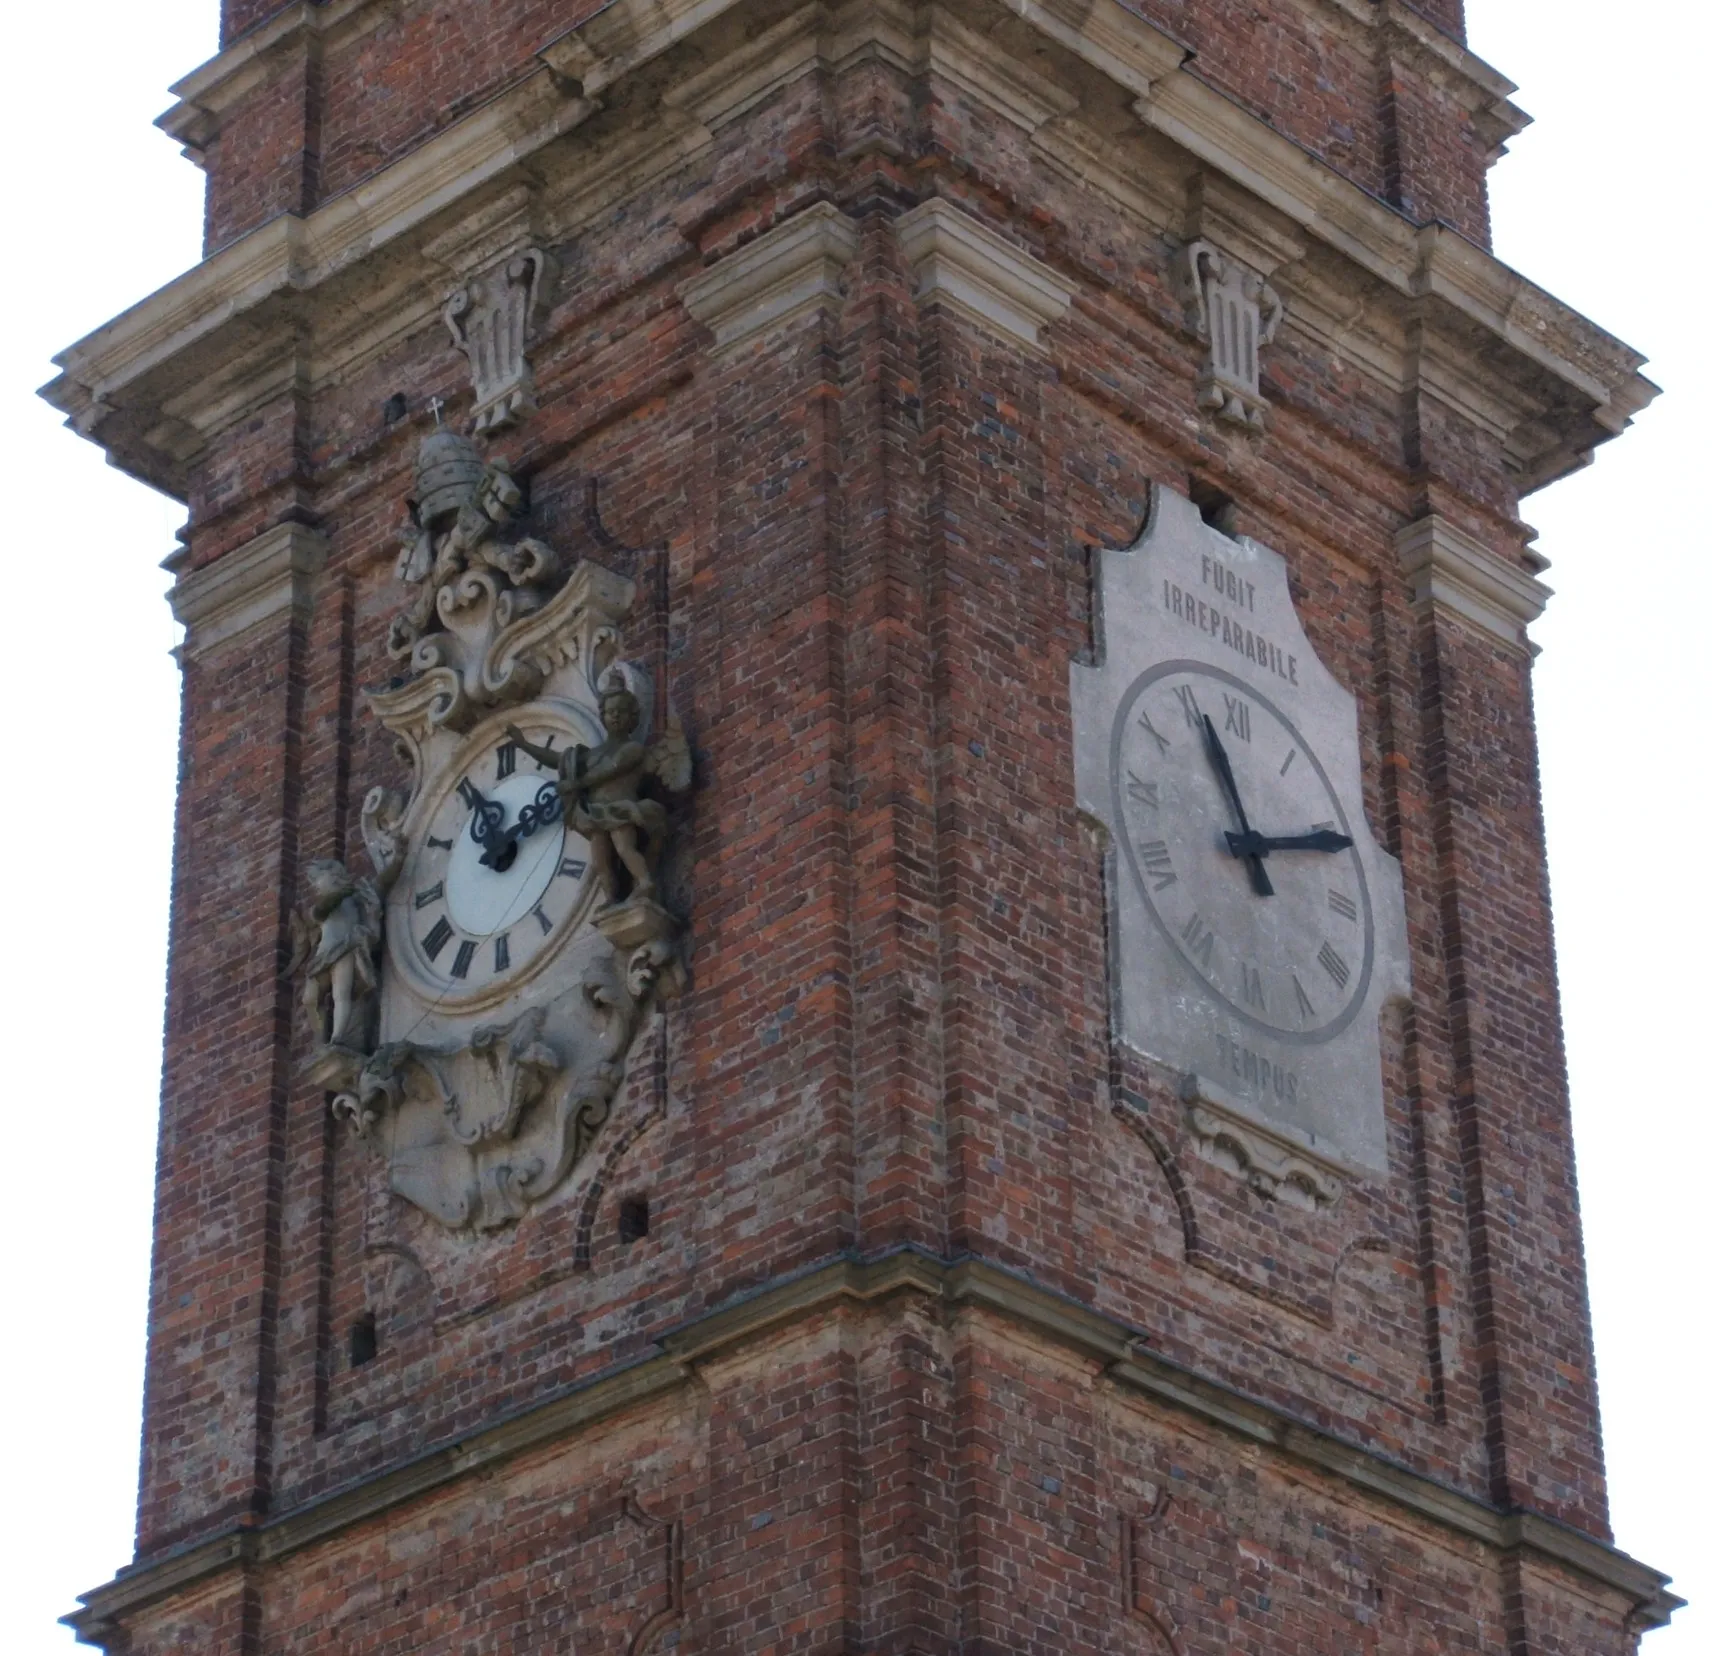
[[869, 533], [330, 114]]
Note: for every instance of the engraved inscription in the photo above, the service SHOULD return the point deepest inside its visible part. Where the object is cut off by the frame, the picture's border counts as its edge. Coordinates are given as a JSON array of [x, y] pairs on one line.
[[1156, 863], [1337, 968], [1198, 940]]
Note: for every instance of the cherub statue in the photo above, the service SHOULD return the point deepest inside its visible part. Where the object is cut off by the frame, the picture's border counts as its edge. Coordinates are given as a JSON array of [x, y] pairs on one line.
[[335, 934], [336, 930], [601, 791], [460, 503]]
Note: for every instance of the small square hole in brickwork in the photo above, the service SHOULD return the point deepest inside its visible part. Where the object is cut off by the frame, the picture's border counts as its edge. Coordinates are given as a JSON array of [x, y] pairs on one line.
[[1215, 506], [632, 1218], [394, 408], [365, 1341]]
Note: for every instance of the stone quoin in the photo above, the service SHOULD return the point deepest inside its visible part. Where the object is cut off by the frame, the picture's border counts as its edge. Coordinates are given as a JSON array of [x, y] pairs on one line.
[[860, 955]]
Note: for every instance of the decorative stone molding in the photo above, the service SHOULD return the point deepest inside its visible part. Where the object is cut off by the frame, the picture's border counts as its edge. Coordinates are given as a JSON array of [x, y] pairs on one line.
[[293, 279], [794, 268], [958, 259], [1445, 566], [492, 319], [687, 1352], [1277, 1161], [483, 1091], [1235, 313], [253, 583]]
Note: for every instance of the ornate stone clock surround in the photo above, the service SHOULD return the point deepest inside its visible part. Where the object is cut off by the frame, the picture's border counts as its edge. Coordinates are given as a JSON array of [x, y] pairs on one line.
[[483, 1110]]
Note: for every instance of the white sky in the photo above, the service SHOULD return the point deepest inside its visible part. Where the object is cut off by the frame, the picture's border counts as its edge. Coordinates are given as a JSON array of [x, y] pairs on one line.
[[1604, 202]]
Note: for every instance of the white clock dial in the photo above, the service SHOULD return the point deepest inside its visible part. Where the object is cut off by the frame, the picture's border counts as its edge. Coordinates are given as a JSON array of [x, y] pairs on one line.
[[495, 880], [1297, 962]]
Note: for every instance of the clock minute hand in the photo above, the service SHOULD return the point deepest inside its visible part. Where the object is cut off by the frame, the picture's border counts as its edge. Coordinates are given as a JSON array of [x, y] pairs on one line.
[[1251, 844], [501, 849], [1258, 877]]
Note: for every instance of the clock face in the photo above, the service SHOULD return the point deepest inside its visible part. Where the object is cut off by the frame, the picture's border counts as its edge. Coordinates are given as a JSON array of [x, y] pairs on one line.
[[496, 881], [1296, 964]]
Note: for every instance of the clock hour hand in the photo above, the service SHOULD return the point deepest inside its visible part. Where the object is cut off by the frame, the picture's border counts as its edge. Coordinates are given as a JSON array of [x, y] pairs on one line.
[[487, 816], [501, 843], [1257, 875], [1251, 844]]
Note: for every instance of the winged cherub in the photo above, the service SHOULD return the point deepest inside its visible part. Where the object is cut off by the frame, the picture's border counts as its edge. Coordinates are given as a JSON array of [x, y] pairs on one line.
[[335, 932], [336, 929], [601, 790]]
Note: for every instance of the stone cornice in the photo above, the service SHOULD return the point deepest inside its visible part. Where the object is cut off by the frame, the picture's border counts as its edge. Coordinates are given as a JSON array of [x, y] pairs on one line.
[[268, 576], [207, 92], [1449, 569], [794, 268], [118, 382], [958, 259], [850, 1281]]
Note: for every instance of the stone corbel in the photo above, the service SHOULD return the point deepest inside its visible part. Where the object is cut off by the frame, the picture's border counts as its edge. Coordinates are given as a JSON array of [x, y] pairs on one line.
[[269, 576], [989, 279], [492, 319], [794, 268], [1278, 1162], [1447, 568], [1236, 314]]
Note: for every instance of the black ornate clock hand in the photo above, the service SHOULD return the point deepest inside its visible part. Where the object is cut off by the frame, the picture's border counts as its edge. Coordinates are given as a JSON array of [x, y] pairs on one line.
[[1251, 844], [487, 816], [1257, 874], [501, 843]]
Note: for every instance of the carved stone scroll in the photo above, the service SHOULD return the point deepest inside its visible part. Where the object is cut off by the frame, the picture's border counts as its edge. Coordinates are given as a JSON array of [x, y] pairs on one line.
[[492, 320], [1235, 313]]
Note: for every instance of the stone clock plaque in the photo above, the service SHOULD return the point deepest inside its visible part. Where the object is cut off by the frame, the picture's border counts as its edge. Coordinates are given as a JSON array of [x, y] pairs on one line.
[[1258, 925]]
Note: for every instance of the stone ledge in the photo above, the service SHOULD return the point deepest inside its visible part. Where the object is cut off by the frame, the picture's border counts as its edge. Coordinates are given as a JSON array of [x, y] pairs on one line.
[[249, 585], [796, 267], [1446, 567], [962, 1282], [193, 331], [1273, 1159], [976, 271]]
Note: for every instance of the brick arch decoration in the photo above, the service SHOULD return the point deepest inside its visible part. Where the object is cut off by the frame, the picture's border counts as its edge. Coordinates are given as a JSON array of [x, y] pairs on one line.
[[650, 1637], [1157, 1636], [583, 1251]]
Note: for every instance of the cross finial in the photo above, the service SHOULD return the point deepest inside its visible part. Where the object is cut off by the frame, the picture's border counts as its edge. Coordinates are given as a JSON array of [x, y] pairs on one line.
[[435, 404]]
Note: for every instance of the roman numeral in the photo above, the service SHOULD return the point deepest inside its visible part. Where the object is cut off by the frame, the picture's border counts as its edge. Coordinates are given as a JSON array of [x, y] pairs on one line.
[[1191, 709], [573, 868], [466, 953], [1147, 725], [505, 759], [539, 765], [1289, 759], [1252, 991], [1340, 904], [1199, 941], [431, 894], [502, 952], [541, 918], [444, 845], [1143, 793], [1303, 1004], [1156, 864], [1337, 968], [1236, 717], [470, 793], [438, 938]]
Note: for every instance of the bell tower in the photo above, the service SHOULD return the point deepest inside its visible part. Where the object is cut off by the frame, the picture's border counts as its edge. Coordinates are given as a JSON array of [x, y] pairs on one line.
[[861, 957]]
